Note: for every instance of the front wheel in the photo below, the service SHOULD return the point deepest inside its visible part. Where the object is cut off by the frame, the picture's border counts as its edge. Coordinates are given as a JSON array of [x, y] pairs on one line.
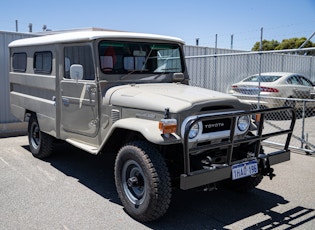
[[41, 144], [142, 181], [247, 183]]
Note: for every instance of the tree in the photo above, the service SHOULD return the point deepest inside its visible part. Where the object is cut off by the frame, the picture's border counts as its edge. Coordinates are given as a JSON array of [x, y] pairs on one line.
[[291, 43], [266, 45]]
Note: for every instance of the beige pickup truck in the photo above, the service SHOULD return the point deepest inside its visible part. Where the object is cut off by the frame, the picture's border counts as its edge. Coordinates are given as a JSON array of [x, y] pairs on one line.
[[129, 94]]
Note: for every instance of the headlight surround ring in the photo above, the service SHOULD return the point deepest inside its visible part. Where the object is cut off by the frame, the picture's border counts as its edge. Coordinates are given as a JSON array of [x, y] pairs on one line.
[[193, 131], [243, 123]]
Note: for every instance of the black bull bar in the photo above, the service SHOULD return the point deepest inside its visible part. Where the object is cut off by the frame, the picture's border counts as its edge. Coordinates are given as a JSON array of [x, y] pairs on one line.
[[191, 179]]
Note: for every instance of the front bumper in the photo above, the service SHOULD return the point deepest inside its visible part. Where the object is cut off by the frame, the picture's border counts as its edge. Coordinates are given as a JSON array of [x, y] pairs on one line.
[[191, 179]]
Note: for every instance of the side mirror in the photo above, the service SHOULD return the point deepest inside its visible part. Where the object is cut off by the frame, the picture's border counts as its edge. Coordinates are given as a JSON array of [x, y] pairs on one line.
[[178, 77], [76, 72]]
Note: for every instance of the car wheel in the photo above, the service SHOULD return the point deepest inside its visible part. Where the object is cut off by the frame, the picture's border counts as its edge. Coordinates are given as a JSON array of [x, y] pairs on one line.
[[286, 115], [290, 103], [142, 181], [41, 144]]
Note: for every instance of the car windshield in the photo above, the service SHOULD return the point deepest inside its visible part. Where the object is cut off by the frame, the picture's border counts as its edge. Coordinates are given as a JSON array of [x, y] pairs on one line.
[[126, 58], [262, 78]]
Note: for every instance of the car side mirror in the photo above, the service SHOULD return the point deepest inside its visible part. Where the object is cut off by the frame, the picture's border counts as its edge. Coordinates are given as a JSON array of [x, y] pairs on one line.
[[178, 77], [76, 72]]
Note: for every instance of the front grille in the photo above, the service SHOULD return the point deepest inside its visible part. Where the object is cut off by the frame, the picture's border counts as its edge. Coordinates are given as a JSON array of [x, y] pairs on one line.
[[216, 125]]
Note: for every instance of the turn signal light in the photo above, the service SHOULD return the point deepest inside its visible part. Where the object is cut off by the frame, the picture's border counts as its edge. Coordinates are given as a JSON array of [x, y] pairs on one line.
[[257, 117], [168, 126]]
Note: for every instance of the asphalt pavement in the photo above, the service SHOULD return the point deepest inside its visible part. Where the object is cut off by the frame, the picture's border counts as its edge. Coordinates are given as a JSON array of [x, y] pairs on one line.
[[76, 190]]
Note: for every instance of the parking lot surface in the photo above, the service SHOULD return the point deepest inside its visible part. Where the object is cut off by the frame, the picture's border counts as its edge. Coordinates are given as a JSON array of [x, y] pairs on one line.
[[76, 190]]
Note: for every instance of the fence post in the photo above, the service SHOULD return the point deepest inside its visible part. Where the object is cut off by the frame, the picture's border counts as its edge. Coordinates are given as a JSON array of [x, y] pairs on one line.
[[260, 54], [303, 124], [215, 62]]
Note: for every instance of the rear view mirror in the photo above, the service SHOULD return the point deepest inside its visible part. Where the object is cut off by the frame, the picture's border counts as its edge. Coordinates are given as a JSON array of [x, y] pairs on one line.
[[139, 53], [76, 72]]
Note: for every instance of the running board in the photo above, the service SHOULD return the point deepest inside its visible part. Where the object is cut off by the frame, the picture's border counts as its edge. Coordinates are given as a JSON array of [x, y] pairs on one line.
[[88, 148]]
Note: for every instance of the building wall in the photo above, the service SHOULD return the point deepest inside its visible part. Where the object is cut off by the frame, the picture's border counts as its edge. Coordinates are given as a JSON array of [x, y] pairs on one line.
[[5, 39]]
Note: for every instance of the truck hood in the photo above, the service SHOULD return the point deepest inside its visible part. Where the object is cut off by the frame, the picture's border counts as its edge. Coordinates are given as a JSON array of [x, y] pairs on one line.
[[157, 97]]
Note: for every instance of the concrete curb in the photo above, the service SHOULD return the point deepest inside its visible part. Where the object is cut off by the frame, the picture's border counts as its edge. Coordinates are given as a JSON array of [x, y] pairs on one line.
[[13, 129]]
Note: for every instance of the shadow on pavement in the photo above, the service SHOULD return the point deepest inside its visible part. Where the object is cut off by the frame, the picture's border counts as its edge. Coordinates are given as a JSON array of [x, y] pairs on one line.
[[190, 209]]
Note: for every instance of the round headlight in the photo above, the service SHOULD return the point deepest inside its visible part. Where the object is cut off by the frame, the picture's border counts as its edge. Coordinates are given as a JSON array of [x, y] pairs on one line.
[[194, 131], [243, 123]]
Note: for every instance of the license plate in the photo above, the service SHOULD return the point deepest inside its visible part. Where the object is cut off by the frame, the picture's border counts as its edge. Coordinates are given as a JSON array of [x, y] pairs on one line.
[[244, 169]]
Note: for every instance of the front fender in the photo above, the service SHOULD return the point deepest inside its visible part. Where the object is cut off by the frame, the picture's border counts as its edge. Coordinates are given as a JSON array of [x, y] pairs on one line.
[[148, 129]]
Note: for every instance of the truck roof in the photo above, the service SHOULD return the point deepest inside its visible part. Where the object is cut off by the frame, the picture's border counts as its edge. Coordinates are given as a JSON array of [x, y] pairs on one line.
[[84, 36]]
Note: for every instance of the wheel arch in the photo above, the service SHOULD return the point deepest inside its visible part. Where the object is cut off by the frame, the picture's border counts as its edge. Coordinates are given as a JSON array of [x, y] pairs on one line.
[[130, 129], [115, 141]]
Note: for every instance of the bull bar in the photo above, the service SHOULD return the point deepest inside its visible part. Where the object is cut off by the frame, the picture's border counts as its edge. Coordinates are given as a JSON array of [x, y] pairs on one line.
[[191, 179]]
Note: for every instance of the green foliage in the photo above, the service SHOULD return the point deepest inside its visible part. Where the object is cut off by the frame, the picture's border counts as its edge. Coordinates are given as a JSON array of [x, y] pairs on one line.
[[266, 45], [291, 43]]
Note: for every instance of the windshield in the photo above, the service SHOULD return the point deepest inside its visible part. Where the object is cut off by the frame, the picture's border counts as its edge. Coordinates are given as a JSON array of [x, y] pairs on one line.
[[262, 78], [141, 58]]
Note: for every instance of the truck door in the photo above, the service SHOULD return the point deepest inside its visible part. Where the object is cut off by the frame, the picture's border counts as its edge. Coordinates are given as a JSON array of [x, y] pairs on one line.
[[79, 99]]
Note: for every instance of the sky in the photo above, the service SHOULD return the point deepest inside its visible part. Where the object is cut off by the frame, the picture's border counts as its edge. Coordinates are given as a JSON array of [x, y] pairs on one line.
[[186, 19]]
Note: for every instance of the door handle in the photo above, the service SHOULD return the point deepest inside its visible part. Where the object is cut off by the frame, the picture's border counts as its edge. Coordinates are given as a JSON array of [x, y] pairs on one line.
[[65, 101], [54, 99], [90, 89]]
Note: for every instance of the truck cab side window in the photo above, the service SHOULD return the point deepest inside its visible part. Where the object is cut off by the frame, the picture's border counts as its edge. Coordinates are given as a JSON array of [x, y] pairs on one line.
[[79, 55]]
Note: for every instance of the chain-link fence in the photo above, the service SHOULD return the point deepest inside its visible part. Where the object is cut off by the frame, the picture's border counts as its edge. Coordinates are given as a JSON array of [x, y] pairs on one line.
[[265, 80]]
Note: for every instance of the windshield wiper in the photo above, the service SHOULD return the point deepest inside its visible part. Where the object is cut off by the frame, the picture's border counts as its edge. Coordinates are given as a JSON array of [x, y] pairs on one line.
[[143, 66]]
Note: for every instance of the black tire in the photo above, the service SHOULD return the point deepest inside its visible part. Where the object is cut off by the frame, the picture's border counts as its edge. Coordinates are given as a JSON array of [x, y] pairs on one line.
[[142, 181], [290, 103], [287, 115], [245, 184], [41, 144], [248, 183]]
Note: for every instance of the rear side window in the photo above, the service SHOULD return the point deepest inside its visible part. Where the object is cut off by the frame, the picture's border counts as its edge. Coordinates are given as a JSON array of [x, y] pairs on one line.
[[19, 62], [305, 81], [43, 62], [294, 80]]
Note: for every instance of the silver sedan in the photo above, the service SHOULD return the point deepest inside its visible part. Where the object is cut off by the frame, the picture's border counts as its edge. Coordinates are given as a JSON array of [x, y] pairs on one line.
[[275, 89]]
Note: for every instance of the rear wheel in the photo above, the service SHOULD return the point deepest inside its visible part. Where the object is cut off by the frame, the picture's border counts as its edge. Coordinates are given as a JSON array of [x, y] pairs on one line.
[[142, 181], [41, 144], [290, 103], [288, 113]]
